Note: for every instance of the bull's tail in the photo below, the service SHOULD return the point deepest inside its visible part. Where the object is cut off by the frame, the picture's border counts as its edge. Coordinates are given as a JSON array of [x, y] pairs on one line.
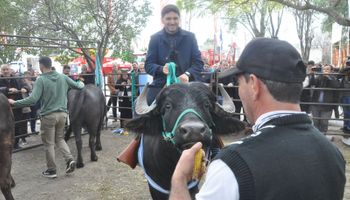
[[68, 133]]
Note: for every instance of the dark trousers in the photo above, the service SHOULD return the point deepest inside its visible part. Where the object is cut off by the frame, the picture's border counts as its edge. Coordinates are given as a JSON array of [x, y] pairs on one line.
[[113, 101], [20, 124], [33, 115], [318, 112]]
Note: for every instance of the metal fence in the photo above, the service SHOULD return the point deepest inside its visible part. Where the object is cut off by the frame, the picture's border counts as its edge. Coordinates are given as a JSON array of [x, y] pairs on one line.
[[135, 84]]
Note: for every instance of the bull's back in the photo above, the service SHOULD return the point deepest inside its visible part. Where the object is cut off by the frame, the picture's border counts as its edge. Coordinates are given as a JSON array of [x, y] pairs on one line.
[[88, 103]]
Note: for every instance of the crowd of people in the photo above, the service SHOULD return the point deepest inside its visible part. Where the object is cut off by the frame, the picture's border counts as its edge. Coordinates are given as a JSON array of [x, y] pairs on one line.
[[18, 86]]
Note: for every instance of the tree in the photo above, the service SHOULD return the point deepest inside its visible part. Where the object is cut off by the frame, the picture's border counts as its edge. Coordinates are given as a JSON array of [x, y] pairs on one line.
[[257, 16], [106, 24], [13, 22], [304, 20], [328, 7]]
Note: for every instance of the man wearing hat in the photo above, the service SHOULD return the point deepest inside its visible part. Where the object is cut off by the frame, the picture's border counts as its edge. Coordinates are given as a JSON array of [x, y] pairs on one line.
[[286, 157]]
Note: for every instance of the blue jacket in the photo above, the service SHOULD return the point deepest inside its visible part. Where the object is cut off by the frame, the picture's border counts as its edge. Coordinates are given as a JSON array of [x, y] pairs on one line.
[[187, 56]]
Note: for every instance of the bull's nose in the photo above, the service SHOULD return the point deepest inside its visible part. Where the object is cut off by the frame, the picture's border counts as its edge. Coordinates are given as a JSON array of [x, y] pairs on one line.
[[191, 130]]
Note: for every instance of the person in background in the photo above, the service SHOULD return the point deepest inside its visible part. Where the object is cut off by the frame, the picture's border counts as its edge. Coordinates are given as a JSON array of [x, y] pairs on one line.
[[305, 96], [111, 83], [124, 101], [51, 89], [142, 68], [13, 88], [87, 75], [66, 70], [34, 108], [345, 99], [172, 44], [322, 113], [286, 157]]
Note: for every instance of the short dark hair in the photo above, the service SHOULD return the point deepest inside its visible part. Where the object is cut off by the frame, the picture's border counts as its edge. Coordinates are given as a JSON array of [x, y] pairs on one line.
[[170, 8], [66, 67], [311, 62], [281, 91], [46, 62]]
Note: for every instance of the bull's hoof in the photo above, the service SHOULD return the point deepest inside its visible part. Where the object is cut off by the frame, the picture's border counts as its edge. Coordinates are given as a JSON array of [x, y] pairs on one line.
[[13, 184], [94, 158], [98, 148], [80, 165]]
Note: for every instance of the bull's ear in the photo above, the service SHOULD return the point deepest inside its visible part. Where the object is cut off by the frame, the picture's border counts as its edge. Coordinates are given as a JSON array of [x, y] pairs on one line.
[[226, 123], [146, 124]]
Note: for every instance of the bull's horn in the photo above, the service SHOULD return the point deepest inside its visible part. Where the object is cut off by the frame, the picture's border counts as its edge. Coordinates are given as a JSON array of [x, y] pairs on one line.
[[227, 103], [141, 105]]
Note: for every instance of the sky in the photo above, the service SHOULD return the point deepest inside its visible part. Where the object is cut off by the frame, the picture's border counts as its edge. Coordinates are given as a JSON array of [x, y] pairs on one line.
[[203, 28]]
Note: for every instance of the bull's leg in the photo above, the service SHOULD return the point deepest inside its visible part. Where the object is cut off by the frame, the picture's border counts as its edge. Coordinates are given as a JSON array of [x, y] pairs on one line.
[[79, 142], [6, 191], [13, 183], [98, 138], [92, 145]]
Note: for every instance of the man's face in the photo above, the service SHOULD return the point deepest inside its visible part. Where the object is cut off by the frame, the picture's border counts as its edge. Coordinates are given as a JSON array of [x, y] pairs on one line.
[[83, 69], [244, 94], [5, 71], [66, 71], [171, 22], [327, 69]]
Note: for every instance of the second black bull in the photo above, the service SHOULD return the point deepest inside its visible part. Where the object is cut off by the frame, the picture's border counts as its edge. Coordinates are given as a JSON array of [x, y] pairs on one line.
[[182, 115], [86, 110]]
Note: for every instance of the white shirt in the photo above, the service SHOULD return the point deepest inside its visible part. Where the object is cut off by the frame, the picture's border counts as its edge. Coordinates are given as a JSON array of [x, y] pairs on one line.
[[220, 181]]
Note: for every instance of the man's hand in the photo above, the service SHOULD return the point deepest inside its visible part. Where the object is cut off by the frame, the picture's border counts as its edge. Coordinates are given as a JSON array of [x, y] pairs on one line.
[[11, 101], [166, 69], [23, 90], [184, 167], [184, 78], [13, 90], [183, 173]]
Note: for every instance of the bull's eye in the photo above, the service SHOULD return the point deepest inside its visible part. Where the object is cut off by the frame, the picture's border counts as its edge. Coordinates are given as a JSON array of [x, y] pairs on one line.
[[167, 106], [207, 105]]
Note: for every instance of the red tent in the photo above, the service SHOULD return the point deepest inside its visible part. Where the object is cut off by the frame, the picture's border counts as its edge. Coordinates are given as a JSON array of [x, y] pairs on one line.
[[107, 63]]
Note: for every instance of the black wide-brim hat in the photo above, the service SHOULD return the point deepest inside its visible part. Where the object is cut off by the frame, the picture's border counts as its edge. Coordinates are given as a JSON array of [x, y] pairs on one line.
[[270, 59]]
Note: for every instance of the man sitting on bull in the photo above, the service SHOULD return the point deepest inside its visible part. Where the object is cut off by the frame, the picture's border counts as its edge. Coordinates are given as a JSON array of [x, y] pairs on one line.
[[172, 44]]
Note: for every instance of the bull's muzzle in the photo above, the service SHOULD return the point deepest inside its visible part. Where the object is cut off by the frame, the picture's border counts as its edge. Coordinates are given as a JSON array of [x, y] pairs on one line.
[[190, 132]]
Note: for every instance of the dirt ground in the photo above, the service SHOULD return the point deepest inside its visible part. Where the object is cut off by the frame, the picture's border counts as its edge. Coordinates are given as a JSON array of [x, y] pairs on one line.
[[105, 179]]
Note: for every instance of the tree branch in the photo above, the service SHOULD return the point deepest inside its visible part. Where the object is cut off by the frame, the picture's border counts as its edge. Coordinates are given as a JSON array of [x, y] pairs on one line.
[[330, 11]]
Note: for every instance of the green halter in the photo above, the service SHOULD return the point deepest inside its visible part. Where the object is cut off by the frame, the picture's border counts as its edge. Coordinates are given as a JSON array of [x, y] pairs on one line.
[[169, 136]]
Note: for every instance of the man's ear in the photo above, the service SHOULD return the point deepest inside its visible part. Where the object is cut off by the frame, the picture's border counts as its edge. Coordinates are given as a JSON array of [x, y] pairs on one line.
[[256, 85]]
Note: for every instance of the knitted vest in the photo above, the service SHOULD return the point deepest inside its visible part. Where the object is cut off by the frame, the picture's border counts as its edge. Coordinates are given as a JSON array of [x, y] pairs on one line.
[[287, 159]]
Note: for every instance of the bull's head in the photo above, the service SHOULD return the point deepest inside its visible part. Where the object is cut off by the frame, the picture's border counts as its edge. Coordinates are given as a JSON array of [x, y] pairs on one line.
[[185, 114]]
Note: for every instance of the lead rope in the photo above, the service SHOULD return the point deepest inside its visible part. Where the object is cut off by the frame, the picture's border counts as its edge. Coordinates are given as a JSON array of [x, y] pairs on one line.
[[133, 91], [171, 77]]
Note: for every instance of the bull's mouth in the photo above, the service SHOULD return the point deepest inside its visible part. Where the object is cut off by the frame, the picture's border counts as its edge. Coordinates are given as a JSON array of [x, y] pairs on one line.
[[187, 145]]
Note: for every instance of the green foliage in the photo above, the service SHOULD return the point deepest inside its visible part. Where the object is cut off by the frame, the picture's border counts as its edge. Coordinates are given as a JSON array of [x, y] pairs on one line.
[[106, 23], [328, 21], [252, 14], [126, 55]]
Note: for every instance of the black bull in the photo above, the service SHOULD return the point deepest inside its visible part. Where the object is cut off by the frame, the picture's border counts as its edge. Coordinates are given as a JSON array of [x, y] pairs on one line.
[[209, 119], [86, 109], [6, 142]]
